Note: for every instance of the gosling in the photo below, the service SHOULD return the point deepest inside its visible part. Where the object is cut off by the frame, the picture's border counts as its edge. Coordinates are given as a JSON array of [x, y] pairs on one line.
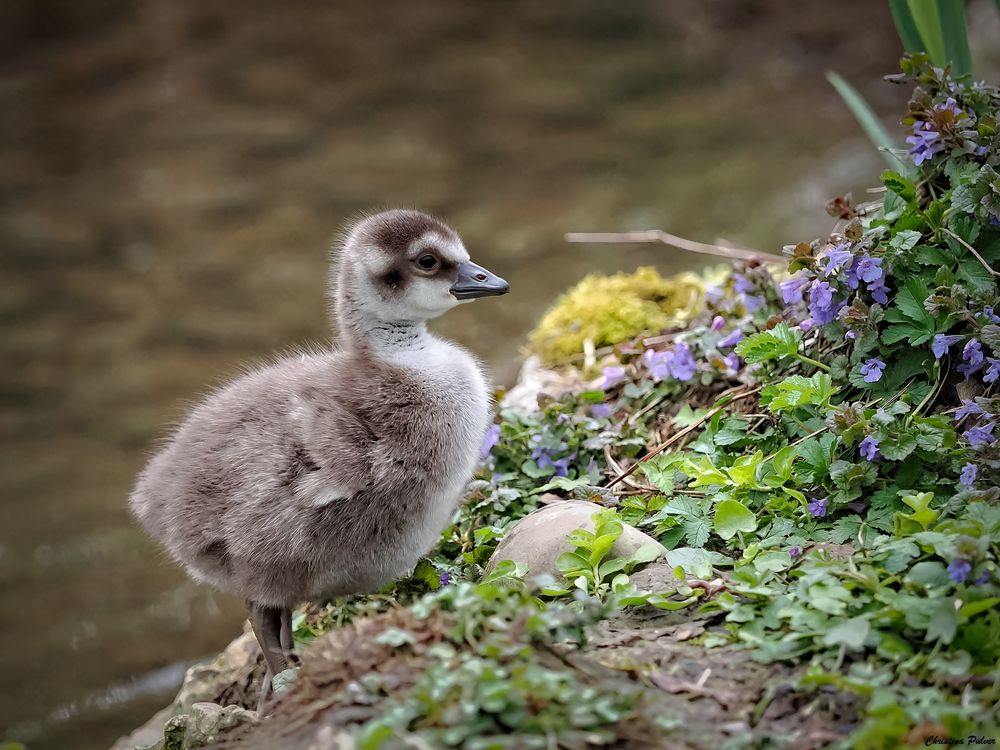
[[332, 473]]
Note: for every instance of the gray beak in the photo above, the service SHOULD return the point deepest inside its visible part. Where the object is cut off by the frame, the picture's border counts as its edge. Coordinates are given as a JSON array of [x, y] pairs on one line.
[[475, 281]]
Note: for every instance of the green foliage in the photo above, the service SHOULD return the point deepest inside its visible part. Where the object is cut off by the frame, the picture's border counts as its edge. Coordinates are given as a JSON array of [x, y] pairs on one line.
[[489, 685], [589, 566], [854, 511]]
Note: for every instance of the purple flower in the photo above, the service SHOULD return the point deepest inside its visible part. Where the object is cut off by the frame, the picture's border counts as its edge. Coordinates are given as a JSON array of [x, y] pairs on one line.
[[732, 362], [837, 257], [791, 289], [817, 508], [821, 294], [959, 570], [731, 339], [741, 284], [851, 277], [925, 142], [969, 408], [612, 376], [444, 579], [950, 106], [879, 291], [869, 449], [851, 335], [714, 294], [490, 439], [983, 578], [794, 552], [718, 323], [601, 411], [992, 316], [869, 269], [943, 342], [658, 363], [969, 474], [980, 436], [807, 324], [993, 371], [559, 465], [872, 370], [821, 305], [972, 353], [683, 364], [753, 302]]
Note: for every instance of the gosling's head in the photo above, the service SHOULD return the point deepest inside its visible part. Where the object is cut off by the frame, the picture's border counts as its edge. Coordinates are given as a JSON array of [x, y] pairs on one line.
[[404, 266]]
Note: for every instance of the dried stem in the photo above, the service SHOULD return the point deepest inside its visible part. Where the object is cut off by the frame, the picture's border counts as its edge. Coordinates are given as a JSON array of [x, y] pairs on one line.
[[972, 250], [658, 235], [678, 435]]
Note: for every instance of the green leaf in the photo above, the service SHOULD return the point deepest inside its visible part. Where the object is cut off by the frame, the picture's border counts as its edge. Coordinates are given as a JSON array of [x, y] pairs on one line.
[[866, 118], [956, 36], [978, 277], [850, 633], [928, 22], [905, 27], [695, 562], [904, 240], [990, 335], [779, 342], [601, 546], [943, 623], [910, 301], [687, 416], [797, 390], [732, 516], [900, 185], [646, 553], [733, 431], [899, 447]]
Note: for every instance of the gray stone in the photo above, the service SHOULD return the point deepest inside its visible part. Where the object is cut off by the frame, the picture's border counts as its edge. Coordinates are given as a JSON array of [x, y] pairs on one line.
[[206, 682], [204, 725], [539, 538]]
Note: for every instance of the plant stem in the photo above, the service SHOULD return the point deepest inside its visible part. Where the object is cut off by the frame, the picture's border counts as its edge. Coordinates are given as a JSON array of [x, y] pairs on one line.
[[813, 362]]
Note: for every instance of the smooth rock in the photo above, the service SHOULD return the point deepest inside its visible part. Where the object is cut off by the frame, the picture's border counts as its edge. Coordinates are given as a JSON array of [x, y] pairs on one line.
[[539, 538]]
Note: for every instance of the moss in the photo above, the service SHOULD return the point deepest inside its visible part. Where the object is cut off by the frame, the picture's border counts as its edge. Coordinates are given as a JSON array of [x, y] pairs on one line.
[[607, 310]]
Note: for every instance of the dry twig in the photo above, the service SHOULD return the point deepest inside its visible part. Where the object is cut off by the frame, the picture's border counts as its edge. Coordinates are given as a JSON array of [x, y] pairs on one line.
[[658, 235]]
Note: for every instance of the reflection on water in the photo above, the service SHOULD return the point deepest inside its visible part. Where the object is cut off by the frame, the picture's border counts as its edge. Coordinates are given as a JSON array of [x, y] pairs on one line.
[[174, 169]]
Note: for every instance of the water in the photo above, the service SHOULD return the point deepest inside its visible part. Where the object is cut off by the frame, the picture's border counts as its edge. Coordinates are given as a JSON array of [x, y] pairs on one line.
[[173, 171]]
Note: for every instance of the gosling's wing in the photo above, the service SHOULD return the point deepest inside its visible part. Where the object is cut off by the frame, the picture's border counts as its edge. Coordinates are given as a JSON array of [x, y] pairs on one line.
[[331, 458]]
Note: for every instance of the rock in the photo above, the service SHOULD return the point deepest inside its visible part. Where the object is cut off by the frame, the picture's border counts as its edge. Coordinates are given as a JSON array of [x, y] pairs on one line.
[[539, 538], [283, 681], [204, 725], [228, 679], [149, 735], [208, 682]]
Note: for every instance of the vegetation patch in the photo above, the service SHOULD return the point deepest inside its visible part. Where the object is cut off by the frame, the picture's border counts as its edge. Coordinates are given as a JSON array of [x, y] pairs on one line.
[[818, 453]]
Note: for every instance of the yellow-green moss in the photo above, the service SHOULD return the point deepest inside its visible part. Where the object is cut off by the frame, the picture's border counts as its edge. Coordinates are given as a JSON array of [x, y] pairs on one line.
[[607, 310]]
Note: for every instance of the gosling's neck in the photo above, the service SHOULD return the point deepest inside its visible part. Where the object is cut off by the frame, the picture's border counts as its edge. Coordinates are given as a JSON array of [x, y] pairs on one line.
[[359, 330]]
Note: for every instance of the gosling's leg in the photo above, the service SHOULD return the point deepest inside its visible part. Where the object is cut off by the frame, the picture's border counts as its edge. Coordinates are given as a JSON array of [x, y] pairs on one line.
[[267, 624], [287, 646]]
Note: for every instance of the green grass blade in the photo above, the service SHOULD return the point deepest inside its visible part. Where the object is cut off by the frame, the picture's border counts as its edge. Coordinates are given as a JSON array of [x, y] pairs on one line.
[[927, 19], [956, 36], [866, 118], [905, 27]]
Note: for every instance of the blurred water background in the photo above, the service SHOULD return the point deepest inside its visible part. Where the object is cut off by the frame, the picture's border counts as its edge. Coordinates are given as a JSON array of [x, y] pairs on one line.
[[174, 170]]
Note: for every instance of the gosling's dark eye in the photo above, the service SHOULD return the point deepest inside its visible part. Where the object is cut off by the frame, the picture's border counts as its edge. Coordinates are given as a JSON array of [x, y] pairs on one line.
[[427, 262]]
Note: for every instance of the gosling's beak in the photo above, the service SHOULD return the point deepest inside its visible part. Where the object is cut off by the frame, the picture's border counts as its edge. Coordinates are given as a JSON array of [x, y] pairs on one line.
[[475, 281]]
